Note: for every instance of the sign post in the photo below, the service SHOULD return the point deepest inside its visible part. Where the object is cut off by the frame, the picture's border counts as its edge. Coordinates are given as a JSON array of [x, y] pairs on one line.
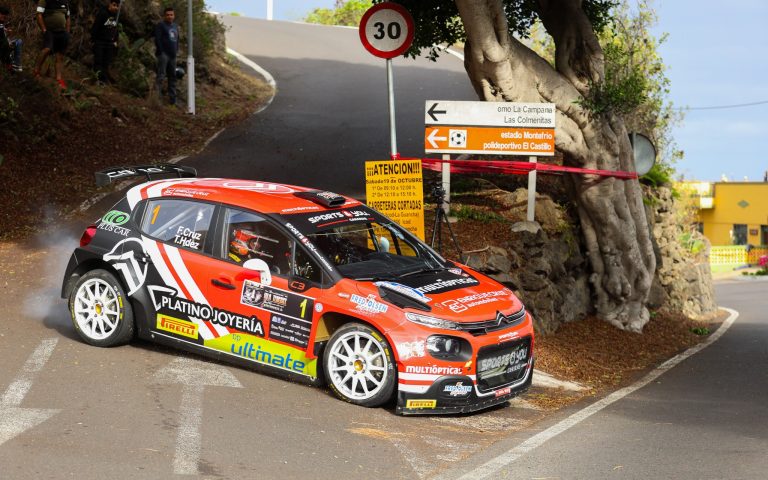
[[501, 128], [190, 64], [386, 31]]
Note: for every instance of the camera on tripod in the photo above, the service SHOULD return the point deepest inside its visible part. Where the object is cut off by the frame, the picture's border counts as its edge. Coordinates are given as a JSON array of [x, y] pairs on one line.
[[441, 217], [438, 193]]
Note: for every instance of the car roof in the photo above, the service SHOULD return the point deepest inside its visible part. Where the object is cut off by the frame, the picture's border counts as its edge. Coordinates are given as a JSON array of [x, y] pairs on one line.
[[265, 197]]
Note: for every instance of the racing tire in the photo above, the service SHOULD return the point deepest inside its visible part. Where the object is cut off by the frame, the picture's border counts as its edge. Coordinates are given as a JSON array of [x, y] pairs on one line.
[[359, 366], [101, 312]]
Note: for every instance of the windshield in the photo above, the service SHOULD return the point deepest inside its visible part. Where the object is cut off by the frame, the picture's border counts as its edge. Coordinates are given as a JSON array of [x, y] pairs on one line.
[[362, 244]]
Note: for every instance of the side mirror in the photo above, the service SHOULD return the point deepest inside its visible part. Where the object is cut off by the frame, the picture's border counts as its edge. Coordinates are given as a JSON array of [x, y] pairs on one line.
[[384, 244], [260, 266]]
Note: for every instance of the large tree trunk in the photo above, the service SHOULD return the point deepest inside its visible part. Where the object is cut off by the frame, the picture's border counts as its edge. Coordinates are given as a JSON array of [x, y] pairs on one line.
[[611, 211]]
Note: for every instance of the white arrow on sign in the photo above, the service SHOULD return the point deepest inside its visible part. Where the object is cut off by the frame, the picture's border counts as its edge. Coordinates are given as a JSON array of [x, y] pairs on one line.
[[433, 139], [15, 420], [193, 376]]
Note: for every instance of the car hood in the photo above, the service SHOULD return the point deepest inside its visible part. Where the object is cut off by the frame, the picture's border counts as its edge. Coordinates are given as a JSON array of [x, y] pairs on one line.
[[458, 294]]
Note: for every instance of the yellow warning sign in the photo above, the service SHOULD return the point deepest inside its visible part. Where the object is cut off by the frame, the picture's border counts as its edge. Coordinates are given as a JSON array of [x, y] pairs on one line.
[[395, 188]]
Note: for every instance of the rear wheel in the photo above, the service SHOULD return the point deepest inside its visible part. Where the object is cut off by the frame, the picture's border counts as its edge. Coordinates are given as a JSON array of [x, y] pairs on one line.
[[359, 366], [101, 312]]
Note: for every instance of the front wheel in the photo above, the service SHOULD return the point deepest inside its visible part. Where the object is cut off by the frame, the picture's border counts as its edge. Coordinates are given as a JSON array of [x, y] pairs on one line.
[[359, 365], [101, 313]]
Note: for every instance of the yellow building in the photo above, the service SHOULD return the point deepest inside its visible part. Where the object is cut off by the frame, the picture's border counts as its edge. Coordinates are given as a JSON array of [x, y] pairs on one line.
[[731, 213]]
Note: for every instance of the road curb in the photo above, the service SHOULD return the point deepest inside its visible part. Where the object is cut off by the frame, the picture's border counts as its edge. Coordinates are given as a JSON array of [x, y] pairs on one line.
[[492, 468]]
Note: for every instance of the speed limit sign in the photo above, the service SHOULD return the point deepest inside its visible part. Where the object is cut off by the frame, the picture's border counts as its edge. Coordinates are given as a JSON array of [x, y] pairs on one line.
[[386, 30]]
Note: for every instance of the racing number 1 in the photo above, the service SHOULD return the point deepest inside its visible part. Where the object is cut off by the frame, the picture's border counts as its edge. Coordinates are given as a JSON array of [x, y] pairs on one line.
[[393, 30], [303, 306], [154, 214]]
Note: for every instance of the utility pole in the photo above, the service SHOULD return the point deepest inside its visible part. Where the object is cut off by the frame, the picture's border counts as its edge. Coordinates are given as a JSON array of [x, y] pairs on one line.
[[190, 63]]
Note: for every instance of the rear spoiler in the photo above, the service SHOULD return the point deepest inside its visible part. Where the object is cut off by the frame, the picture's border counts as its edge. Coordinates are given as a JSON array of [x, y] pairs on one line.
[[112, 174]]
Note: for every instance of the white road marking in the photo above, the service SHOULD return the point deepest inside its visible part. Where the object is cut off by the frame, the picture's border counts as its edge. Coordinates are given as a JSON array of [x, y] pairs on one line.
[[193, 376], [491, 468], [15, 420], [267, 76], [543, 379]]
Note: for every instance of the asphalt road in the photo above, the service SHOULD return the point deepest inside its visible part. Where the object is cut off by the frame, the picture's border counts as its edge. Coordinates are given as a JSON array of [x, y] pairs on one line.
[[707, 418], [330, 113]]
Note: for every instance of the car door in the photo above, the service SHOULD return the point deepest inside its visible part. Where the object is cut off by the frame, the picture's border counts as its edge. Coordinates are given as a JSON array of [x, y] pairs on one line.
[[177, 236], [268, 307]]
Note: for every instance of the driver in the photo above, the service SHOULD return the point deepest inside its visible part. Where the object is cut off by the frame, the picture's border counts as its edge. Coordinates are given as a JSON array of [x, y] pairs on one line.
[[244, 244]]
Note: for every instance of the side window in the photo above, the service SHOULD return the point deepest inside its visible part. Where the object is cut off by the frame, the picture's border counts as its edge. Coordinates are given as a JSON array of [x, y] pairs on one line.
[[392, 244], [250, 236], [306, 267], [181, 223]]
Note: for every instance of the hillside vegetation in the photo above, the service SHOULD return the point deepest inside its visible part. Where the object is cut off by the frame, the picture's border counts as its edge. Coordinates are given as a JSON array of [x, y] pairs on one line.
[[52, 140]]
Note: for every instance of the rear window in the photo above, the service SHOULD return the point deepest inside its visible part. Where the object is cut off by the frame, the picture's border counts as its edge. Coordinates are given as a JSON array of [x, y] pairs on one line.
[[181, 223]]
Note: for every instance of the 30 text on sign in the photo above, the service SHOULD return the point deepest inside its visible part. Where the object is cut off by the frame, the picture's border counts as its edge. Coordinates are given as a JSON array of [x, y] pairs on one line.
[[386, 30], [395, 188]]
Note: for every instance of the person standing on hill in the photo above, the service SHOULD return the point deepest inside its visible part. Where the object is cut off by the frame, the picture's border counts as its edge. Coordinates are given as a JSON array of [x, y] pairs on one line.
[[167, 46], [10, 50], [104, 39], [53, 20]]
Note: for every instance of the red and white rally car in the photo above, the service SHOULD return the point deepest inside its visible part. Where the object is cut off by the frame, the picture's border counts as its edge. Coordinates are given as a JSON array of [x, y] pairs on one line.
[[305, 282]]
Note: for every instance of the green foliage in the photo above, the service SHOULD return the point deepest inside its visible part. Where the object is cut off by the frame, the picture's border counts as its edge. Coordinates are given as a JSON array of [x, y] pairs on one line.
[[624, 89], [659, 175], [235, 14], [347, 13], [465, 212], [132, 66], [691, 243], [700, 331], [632, 60], [8, 109], [438, 22]]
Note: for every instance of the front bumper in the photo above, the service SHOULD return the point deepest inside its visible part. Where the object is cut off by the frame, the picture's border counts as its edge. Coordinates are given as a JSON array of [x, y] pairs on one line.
[[453, 394]]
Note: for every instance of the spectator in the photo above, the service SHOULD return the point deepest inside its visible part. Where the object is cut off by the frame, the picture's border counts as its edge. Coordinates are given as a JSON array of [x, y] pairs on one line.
[[10, 50], [104, 39], [53, 20], [167, 46]]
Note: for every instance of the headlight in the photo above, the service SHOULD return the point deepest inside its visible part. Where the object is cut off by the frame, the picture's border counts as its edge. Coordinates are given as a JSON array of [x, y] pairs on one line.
[[449, 348], [430, 321]]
